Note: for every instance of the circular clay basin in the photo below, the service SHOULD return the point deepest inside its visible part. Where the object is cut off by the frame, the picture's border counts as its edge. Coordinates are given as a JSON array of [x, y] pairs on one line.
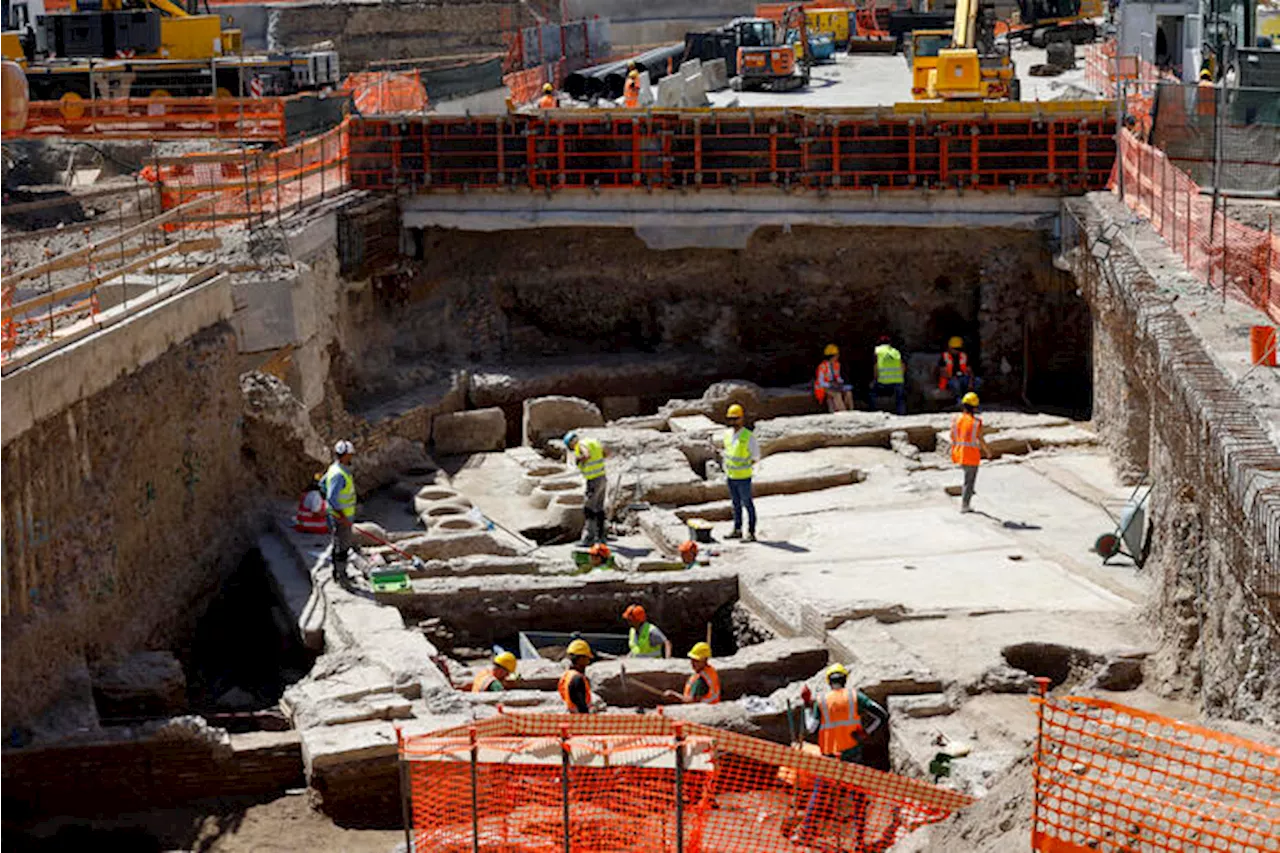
[[434, 494], [455, 524], [558, 486], [544, 471], [444, 509], [569, 500]]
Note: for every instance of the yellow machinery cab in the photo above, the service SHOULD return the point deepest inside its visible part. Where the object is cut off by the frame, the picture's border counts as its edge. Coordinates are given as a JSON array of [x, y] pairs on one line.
[[972, 67], [833, 22], [923, 56]]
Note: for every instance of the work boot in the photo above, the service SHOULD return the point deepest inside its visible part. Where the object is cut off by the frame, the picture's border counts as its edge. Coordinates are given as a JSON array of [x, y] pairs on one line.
[[340, 574], [750, 537], [735, 533]]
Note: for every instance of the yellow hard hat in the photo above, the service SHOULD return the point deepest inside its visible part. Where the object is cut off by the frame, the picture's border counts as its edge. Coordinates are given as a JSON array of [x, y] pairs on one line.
[[970, 399], [956, 342], [507, 661], [831, 349], [700, 651], [1206, 74], [633, 73], [548, 88], [579, 648], [734, 411], [836, 669]]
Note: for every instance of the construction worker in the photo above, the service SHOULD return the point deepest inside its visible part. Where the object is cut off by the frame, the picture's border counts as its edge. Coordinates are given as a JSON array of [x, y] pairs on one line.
[[599, 555], [574, 688], [631, 91], [704, 684], [645, 639], [843, 719], [310, 516], [688, 556], [968, 446], [741, 452], [588, 455], [548, 99], [339, 490], [494, 678], [954, 372], [889, 376], [828, 384]]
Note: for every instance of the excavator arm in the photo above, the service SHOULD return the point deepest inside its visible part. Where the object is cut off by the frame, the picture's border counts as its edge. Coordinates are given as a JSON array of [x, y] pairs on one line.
[[964, 29]]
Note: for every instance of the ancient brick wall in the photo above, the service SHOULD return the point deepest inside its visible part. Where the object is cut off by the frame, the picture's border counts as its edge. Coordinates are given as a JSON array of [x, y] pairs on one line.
[[120, 513]]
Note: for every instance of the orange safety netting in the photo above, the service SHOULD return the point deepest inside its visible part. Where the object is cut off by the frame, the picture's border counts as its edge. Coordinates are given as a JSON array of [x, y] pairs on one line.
[[383, 92], [254, 184], [1113, 778], [1226, 254], [555, 782], [526, 86]]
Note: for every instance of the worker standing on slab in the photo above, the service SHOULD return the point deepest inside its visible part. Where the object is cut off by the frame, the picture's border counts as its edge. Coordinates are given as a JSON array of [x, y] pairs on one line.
[[588, 455], [494, 678], [968, 446], [954, 373], [843, 718], [631, 91], [574, 688], [829, 385], [890, 377], [646, 640], [339, 490], [741, 453], [548, 99], [704, 685]]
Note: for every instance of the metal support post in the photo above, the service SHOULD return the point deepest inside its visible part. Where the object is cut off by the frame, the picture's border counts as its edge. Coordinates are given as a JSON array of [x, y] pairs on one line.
[[564, 783], [679, 788], [406, 813], [1042, 684], [475, 792]]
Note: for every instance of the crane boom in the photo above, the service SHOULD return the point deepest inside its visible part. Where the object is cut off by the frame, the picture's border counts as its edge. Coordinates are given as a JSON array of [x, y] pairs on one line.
[[964, 29]]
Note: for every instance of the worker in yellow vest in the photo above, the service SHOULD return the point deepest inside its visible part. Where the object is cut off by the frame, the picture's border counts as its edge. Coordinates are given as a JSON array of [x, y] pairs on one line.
[[968, 446], [574, 689], [495, 677], [589, 456], [741, 453], [339, 490], [645, 639], [703, 686], [890, 377]]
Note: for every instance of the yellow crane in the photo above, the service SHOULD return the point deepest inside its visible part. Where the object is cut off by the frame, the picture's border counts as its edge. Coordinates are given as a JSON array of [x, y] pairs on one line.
[[972, 67]]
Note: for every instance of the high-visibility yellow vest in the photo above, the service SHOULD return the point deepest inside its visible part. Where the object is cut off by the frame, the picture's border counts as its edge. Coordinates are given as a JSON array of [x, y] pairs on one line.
[[593, 466], [346, 503], [640, 645], [737, 454], [888, 365]]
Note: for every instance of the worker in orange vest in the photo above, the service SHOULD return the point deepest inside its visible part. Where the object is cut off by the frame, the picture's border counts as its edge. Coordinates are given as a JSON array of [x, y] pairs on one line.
[[631, 91], [310, 517], [704, 685], [954, 372], [843, 718], [968, 446], [574, 689], [1206, 93], [494, 678], [548, 99], [828, 385]]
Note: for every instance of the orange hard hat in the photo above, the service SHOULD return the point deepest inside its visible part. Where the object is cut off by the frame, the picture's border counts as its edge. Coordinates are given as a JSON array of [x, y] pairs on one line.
[[688, 546], [635, 613], [600, 550]]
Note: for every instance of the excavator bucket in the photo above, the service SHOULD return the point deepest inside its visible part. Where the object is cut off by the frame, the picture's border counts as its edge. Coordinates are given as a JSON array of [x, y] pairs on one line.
[[869, 35]]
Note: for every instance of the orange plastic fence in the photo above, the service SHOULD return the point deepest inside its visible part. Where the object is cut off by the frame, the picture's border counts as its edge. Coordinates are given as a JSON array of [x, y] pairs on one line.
[[254, 184], [525, 86], [259, 119], [1107, 74], [1226, 254], [533, 782], [382, 92], [1111, 778]]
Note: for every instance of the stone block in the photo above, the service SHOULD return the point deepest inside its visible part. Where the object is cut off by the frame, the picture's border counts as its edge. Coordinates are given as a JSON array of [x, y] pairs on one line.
[[446, 546], [690, 68], [1119, 674], [326, 749], [547, 418], [619, 407], [695, 92], [386, 463], [716, 74], [921, 705], [670, 91], [145, 684], [693, 424], [473, 431]]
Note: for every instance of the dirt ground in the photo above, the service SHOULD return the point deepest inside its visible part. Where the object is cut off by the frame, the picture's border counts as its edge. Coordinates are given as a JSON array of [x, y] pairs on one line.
[[287, 823]]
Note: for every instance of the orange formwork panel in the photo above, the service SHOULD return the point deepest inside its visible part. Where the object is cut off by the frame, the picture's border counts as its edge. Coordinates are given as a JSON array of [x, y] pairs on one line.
[[561, 782], [258, 119]]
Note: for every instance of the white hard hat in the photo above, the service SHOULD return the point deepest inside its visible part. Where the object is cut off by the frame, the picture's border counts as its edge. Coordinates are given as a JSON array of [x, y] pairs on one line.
[[343, 447]]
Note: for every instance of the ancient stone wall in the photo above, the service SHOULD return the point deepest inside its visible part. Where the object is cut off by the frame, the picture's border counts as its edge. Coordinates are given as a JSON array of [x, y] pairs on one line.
[[1165, 406], [120, 513]]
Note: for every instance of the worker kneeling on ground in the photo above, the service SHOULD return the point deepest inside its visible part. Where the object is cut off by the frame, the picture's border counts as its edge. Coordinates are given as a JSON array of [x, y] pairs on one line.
[[339, 490], [828, 385], [599, 556], [954, 373], [646, 640], [574, 689], [548, 99], [588, 455], [704, 684], [688, 556], [889, 376], [968, 446], [495, 677], [310, 516], [843, 717], [741, 452]]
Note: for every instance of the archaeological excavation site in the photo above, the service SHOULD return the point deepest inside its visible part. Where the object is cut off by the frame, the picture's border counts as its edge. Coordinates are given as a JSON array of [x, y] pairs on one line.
[[547, 435]]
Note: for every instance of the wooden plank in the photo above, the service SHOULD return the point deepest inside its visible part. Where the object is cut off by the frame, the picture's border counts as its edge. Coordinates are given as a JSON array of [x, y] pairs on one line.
[[61, 293]]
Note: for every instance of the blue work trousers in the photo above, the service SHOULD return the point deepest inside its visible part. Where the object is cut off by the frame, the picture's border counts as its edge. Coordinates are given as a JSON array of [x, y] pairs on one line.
[[740, 494]]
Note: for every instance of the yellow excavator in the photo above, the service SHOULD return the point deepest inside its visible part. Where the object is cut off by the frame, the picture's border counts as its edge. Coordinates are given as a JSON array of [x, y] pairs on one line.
[[969, 65]]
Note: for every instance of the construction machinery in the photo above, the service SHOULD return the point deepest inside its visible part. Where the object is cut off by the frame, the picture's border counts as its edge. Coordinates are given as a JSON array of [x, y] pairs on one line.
[[973, 67], [148, 48], [776, 64], [1042, 21]]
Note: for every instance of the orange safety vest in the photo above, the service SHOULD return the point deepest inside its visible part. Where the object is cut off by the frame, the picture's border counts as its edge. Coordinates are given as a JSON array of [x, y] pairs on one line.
[[309, 520], [713, 685], [949, 368], [631, 92], [484, 680], [547, 102], [965, 448], [828, 374], [563, 689], [840, 724], [1206, 98]]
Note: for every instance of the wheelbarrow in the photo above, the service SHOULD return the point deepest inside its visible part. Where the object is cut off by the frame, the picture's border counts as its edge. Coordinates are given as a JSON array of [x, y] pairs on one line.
[[1131, 536]]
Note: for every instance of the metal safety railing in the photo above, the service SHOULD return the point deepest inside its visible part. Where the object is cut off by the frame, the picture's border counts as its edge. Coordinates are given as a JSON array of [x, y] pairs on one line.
[[255, 119], [738, 148]]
